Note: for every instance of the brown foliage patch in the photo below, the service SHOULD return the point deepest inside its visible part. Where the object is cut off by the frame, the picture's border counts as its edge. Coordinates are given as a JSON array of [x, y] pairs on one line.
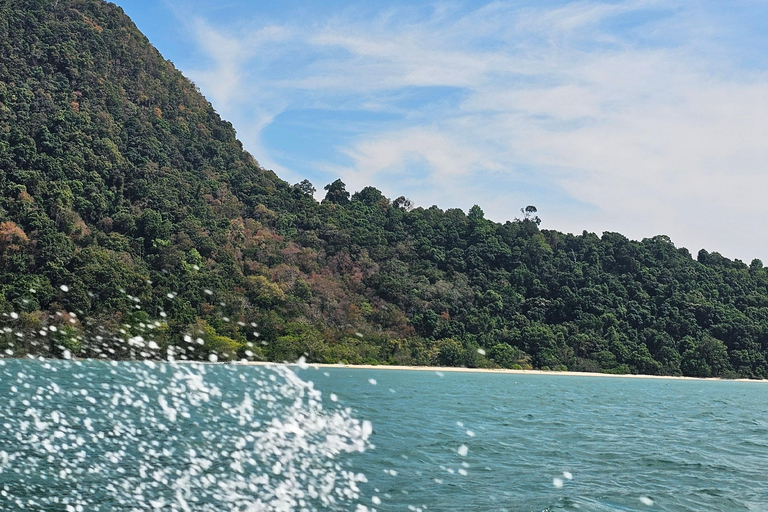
[[12, 237]]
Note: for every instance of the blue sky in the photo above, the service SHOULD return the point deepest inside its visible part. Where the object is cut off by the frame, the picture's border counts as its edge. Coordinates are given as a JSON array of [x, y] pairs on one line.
[[644, 117]]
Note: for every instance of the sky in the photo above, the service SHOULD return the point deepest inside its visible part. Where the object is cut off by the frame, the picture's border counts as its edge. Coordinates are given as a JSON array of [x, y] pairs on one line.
[[643, 117]]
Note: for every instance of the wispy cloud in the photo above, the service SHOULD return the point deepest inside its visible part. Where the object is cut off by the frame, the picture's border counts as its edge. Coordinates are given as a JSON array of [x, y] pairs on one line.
[[632, 111], [231, 58]]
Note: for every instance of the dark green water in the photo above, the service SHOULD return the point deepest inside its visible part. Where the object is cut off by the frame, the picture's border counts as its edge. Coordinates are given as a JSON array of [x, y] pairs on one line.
[[95, 436]]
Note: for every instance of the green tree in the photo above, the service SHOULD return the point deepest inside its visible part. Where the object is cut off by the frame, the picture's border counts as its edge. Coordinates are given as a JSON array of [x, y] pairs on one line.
[[306, 187], [336, 193]]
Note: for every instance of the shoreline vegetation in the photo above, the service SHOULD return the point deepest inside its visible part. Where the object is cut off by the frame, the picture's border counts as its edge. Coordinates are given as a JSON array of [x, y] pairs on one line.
[[132, 221]]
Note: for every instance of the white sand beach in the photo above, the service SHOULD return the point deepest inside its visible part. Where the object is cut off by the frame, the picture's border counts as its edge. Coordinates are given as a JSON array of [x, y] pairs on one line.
[[445, 369]]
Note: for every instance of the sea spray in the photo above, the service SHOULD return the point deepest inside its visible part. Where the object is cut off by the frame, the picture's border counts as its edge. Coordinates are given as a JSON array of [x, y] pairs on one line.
[[141, 436]]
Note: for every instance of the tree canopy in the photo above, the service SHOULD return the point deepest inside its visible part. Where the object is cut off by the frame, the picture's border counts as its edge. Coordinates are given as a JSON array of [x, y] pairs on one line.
[[132, 222]]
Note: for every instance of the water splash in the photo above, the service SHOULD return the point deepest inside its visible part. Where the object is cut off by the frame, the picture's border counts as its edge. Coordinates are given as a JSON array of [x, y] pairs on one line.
[[142, 436]]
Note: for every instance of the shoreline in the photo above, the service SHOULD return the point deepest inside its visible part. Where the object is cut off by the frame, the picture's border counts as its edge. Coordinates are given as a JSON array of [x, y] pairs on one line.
[[436, 369], [446, 369]]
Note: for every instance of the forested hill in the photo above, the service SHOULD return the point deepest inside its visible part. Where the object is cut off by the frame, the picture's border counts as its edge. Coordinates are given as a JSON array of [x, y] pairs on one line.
[[132, 222]]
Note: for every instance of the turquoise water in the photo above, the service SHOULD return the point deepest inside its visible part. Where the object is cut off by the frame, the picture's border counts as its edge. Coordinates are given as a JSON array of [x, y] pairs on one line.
[[96, 436], [686, 445]]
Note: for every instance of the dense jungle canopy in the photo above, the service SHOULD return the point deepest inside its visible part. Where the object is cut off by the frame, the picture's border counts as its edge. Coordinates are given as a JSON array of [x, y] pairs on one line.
[[132, 221]]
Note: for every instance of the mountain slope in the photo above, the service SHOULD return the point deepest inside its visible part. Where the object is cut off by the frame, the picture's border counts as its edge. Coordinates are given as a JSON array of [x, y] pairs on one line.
[[120, 183]]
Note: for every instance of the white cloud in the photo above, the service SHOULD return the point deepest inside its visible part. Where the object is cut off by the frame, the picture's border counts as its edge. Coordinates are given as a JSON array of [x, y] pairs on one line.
[[660, 136], [224, 81], [231, 56], [418, 159]]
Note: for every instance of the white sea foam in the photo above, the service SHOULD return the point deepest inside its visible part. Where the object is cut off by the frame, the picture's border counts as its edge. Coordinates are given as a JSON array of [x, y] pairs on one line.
[[237, 439]]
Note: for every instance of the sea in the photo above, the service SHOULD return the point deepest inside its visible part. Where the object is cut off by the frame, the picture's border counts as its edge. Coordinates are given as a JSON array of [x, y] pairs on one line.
[[149, 436]]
